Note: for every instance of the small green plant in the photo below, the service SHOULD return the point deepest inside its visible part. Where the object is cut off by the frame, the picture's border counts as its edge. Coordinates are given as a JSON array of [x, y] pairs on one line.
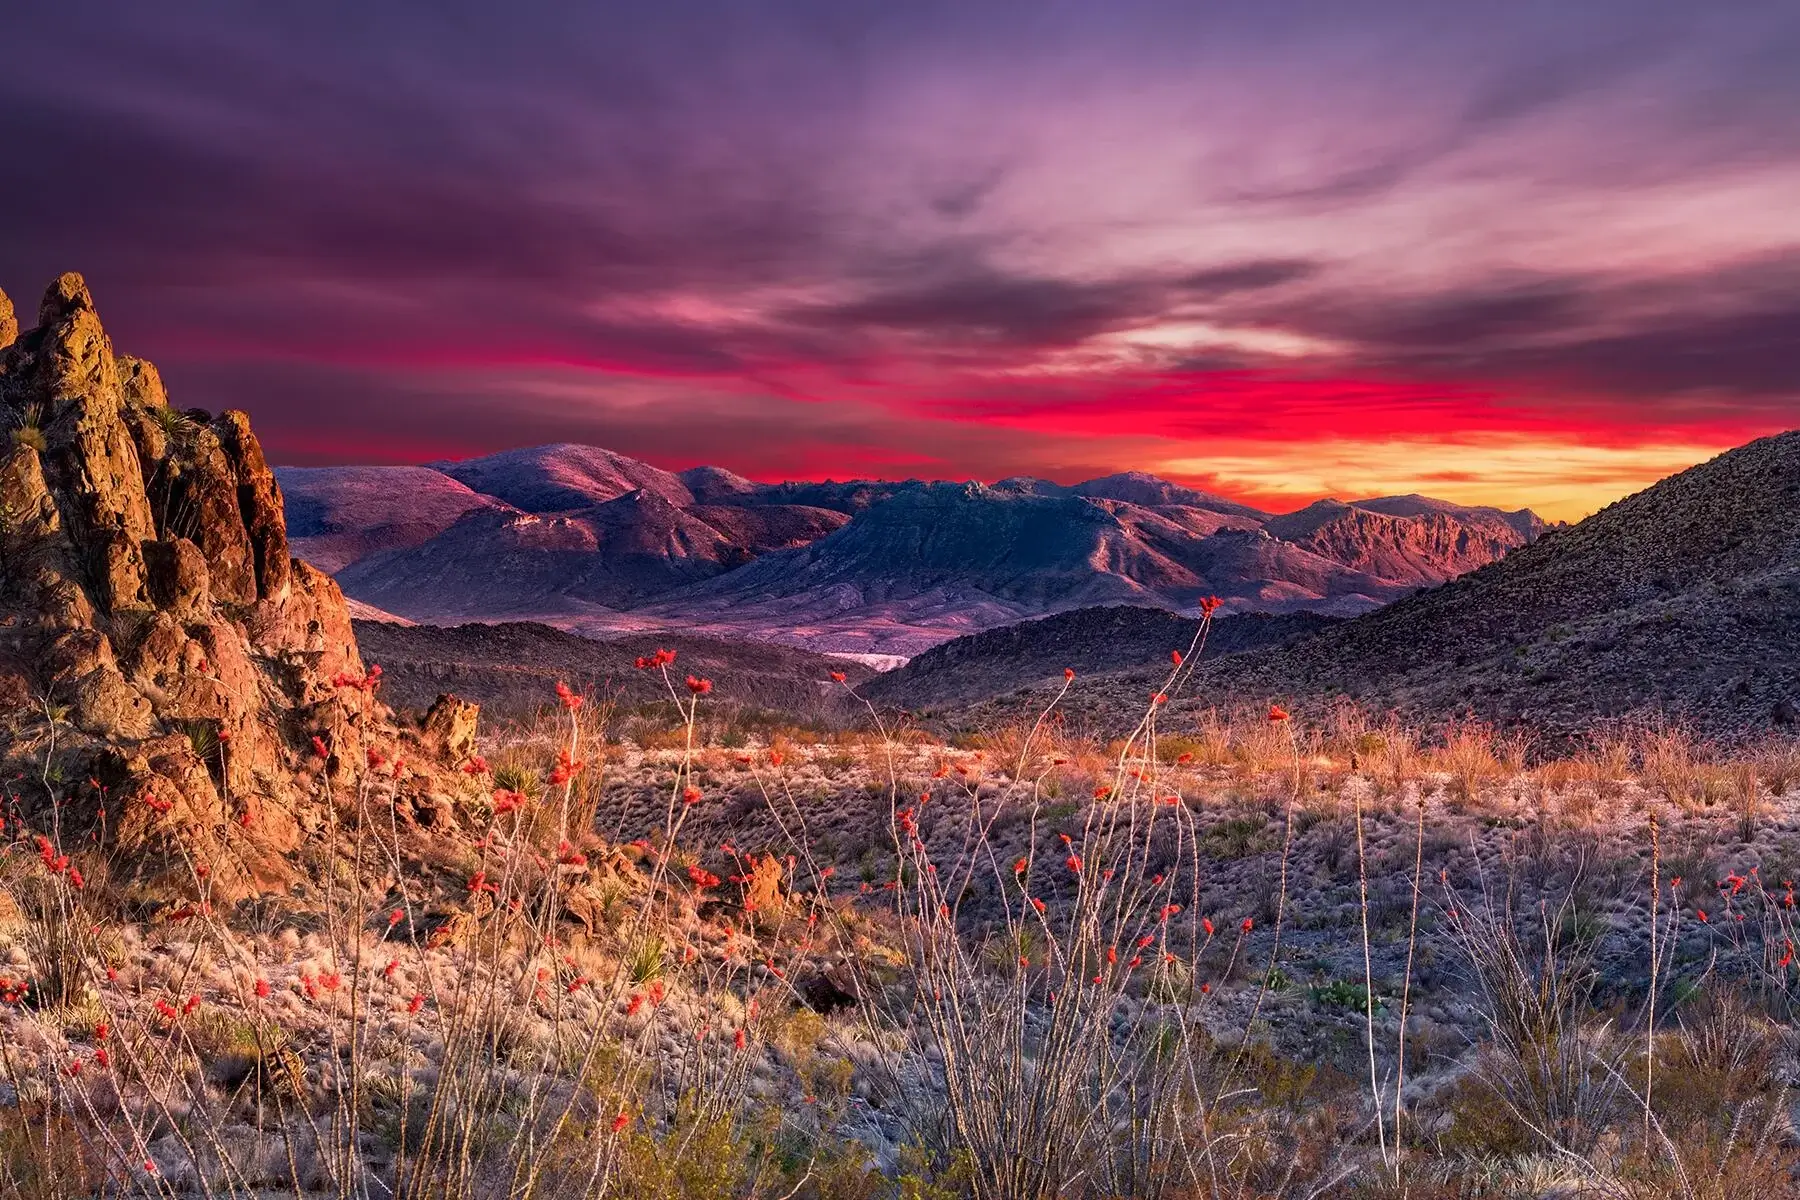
[[645, 960], [1343, 994]]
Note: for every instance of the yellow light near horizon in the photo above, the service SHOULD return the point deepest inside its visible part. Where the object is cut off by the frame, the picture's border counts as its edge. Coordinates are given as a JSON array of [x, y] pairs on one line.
[[1562, 480]]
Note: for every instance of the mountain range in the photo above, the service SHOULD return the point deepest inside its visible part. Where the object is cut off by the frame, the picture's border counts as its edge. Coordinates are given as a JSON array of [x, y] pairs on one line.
[[1680, 602], [597, 542]]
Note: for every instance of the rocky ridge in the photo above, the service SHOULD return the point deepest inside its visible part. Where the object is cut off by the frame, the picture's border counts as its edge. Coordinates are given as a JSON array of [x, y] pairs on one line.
[[596, 542], [1681, 602]]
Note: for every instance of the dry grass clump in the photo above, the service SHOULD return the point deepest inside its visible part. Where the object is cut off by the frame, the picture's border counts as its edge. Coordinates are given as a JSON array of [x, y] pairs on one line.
[[1468, 757]]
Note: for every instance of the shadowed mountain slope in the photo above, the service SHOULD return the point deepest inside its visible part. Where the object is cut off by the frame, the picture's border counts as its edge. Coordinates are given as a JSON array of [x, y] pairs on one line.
[[1683, 599], [1085, 640], [511, 669]]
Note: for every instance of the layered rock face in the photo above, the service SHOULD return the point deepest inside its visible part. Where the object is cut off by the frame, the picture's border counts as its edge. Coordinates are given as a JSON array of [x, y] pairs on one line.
[[165, 665]]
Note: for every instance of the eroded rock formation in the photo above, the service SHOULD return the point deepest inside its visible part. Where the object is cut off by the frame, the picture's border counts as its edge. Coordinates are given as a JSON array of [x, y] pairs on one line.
[[165, 665]]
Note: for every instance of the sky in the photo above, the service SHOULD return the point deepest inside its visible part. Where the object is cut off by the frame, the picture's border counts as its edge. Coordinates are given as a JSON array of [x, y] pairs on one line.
[[1520, 254]]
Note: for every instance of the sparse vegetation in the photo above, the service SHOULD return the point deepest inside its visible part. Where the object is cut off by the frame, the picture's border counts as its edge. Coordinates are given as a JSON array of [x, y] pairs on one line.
[[861, 965]]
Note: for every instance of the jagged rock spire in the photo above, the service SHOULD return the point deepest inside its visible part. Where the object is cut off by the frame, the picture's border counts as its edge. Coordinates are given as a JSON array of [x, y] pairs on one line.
[[148, 601]]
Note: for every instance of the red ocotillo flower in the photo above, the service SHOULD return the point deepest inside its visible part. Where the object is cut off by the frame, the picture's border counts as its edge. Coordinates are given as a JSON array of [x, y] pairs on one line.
[[698, 686], [1277, 713], [567, 697], [837, 677], [1175, 657], [1068, 673], [1210, 605]]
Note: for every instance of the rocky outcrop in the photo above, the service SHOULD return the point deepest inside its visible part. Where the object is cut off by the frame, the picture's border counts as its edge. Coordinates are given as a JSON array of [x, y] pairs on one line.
[[1421, 547], [165, 666]]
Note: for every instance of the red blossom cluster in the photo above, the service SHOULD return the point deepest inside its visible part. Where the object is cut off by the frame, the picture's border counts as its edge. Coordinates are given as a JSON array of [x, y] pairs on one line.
[[567, 767], [1210, 605], [53, 862], [661, 658], [698, 686], [367, 682]]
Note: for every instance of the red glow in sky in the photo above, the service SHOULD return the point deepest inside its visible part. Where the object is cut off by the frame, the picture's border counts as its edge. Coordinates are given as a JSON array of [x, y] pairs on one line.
[[1501, 254]]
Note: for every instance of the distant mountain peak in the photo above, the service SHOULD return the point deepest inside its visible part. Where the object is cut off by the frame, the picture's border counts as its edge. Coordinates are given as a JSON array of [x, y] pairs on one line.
[[584, 533], [563, 475], [1141, 487]]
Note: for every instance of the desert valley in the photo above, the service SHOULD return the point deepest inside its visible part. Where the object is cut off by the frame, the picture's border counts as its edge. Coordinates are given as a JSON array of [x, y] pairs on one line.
[[1442, 854], [841, 600]]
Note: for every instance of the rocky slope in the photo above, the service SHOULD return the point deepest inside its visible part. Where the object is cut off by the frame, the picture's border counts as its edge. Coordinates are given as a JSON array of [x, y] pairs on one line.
[[165, 665], [1406, 538], [1683, 600], [594, 541], [953, 559]]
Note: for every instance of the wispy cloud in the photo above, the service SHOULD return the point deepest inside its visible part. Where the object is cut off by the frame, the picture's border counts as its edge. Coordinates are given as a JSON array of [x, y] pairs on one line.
[[961, 239]]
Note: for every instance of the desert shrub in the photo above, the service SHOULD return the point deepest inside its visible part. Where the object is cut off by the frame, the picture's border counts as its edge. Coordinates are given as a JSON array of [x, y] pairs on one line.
[[1395, 760], [1778, 763], [1467, 756], [1551, 1062], [1674, 763]]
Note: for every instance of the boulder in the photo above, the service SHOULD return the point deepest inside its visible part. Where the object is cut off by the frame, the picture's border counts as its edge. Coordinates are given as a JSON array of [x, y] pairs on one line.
[[450, 726], [830, 989]]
